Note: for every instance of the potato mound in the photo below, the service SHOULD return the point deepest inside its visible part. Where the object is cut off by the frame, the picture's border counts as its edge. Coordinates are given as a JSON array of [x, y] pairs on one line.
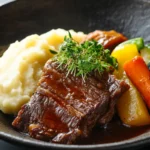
[[21, 67]]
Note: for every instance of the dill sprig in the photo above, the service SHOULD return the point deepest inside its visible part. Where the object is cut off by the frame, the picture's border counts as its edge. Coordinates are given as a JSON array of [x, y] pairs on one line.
[[82, 59]]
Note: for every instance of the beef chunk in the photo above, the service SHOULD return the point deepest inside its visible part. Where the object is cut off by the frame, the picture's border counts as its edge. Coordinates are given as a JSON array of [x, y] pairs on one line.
[[109, 39], [116, 89], [63, 109]]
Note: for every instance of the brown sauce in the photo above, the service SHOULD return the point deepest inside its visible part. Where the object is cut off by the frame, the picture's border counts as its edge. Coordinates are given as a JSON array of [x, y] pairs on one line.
[[115, 131]]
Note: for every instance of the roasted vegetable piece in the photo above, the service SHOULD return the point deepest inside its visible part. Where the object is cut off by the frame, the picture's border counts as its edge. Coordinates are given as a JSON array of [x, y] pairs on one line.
[[145, 53], [139, 42], [147, 45], [138, 73], [124, 53], [131, 107], [109, 39]]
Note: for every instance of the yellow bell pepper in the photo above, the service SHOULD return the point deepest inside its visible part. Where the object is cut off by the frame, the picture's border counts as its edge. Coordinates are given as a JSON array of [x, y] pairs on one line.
[[124, 53], [131, 107]]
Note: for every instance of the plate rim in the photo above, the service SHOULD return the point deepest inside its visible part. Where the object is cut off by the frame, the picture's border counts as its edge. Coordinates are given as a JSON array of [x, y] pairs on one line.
[[129, 143]]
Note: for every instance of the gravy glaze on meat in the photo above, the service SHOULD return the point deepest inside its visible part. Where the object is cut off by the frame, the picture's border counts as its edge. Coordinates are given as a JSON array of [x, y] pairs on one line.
[[65, 109]]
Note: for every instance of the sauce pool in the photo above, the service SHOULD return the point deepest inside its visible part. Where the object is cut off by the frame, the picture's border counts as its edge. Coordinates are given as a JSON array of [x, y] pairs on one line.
[[113, 132]]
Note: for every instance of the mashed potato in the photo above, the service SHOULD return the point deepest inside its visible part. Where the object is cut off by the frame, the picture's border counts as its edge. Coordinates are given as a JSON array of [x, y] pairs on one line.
[[21, 67]]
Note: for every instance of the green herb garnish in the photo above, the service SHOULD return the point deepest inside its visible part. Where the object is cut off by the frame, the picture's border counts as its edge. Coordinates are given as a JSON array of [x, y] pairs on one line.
[[52, 51], [82, 59]]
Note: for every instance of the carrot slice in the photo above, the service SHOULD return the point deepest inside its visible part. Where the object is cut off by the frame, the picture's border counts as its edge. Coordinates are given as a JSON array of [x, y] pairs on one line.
[[138, 73]]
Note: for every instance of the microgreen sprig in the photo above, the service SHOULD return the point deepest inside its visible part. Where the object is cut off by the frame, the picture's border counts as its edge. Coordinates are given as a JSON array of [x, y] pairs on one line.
[[82, 59]]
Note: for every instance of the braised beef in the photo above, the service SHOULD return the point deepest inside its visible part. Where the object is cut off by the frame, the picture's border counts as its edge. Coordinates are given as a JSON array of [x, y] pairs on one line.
[[64, 108], [109, 39]]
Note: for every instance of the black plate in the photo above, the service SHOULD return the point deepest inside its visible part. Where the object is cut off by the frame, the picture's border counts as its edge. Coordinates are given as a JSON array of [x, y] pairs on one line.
[[25, 17]]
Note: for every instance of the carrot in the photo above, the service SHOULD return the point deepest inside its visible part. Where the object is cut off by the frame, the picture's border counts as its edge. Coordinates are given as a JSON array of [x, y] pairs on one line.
[[137, 71]]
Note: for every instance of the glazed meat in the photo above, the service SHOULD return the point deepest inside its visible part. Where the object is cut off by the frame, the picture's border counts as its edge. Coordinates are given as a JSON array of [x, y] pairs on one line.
[[64, 109], [109, 39]]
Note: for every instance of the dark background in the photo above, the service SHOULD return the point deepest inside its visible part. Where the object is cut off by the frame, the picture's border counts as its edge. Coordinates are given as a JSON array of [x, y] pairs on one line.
[[8, 146]]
